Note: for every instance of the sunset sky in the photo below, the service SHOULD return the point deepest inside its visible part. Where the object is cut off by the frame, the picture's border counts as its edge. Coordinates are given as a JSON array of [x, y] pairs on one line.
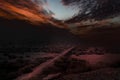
[[89, 19], [74, 13]]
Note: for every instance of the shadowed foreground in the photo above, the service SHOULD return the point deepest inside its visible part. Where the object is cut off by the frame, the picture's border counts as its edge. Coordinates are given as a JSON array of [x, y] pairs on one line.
[[68, 66]]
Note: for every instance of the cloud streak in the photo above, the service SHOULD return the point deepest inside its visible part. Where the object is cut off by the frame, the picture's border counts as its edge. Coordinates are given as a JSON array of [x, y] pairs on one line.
[[94, 9], [25, 10], [29, 10]]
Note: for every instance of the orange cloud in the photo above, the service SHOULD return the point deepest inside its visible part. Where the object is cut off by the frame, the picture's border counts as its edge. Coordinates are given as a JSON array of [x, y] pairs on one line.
[[27, 10], [22, 13]]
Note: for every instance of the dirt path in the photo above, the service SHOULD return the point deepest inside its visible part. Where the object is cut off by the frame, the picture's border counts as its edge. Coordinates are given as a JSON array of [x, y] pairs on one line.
[[39, 69]]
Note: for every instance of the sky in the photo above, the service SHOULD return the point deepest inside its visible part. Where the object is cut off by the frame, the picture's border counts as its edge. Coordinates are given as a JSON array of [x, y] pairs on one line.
[[60, 11], [34, 12], [87, 27]]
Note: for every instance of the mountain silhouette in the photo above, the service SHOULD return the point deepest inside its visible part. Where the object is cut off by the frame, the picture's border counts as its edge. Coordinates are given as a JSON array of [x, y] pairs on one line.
[[23, 31]]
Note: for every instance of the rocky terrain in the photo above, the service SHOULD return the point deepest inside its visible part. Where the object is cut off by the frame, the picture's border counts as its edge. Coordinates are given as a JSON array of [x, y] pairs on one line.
[[69, 64]]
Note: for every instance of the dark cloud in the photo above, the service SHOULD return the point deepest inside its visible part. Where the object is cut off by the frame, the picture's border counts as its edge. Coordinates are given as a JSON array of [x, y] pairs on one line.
[[94, 9]]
